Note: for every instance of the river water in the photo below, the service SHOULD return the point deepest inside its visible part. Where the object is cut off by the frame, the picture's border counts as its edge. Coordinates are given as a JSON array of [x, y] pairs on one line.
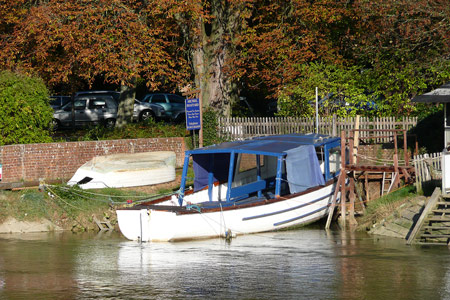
[[307, 263]]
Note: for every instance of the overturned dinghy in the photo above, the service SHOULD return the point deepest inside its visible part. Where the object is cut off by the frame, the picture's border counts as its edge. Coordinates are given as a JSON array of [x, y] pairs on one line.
[[126, 170]]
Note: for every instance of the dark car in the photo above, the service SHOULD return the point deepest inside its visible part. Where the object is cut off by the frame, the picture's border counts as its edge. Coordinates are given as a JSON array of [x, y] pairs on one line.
[[171, 106], [57, 102]]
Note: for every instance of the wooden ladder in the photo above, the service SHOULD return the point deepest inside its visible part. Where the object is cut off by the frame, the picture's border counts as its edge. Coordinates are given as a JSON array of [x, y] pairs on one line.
[[388, 181]]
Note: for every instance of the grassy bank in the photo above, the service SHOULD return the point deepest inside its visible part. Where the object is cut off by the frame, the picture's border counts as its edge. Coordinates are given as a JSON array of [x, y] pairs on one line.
[[386, 205], [70, 208], [73, 208]]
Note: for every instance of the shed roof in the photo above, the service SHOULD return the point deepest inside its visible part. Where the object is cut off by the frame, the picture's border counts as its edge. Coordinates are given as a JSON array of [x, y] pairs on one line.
[[439, 95]]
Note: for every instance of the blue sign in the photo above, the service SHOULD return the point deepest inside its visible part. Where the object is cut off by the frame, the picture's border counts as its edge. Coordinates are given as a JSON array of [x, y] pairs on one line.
[[193, 121]]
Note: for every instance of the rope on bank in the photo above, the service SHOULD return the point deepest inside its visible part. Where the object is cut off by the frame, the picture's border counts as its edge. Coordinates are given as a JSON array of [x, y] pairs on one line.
[[94, 196], [56, 195]]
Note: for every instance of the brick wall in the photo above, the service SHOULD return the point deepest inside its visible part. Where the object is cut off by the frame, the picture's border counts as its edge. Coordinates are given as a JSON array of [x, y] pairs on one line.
[[60, 160]]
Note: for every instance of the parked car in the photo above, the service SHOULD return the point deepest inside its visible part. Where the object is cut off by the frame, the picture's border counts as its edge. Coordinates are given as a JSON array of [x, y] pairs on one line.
[[57, 102], [114, 94], [89, 109], [171, 106], [144, 110], [141, 111]]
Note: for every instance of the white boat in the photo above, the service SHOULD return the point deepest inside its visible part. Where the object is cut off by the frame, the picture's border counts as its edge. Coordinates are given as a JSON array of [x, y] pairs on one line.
[[263, 184], [126, 170]]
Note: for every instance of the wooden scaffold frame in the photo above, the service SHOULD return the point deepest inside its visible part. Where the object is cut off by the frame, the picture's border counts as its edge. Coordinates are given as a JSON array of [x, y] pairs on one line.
[[352, 170]]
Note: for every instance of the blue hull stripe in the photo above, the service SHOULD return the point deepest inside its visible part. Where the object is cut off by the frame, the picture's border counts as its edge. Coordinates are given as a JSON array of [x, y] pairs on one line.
[[299, 217], [288, 209]]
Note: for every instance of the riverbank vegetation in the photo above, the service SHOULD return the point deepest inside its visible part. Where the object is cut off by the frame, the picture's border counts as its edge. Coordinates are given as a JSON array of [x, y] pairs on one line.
[[384, 206], [73, 208], [70, 208]]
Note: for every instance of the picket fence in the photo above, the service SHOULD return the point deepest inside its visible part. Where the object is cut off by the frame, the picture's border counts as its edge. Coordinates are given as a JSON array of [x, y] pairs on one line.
[[242, 128], [428, 168]]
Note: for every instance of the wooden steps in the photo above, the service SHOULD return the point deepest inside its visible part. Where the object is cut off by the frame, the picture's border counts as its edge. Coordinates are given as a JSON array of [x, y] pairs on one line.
[[436, 228], [433, 226], [103, 225]]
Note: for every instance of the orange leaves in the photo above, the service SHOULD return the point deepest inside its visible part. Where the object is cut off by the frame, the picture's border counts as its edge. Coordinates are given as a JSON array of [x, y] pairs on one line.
[[104, 38], [285, 34]]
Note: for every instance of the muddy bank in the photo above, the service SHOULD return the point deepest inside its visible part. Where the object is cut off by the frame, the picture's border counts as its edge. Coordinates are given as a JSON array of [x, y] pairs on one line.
[[11, 225], [63, 223]]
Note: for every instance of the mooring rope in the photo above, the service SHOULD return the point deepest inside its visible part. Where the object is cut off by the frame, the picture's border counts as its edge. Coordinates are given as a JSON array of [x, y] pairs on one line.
[[89, 195], [379, 160]]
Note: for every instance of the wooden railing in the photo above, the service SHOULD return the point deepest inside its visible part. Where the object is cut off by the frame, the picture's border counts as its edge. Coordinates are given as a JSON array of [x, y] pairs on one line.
[[428, 168], [242, 128]]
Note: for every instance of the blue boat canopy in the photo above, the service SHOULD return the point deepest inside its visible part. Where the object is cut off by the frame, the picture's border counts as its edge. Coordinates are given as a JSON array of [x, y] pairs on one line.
[[218, 162], [276, 145]]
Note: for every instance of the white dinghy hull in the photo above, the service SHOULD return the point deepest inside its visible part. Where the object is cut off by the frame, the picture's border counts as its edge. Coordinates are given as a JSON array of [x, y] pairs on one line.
[[126, 170]]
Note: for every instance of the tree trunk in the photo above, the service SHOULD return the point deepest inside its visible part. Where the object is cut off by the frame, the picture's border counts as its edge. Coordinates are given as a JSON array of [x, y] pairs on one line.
[[214, 48], [126, 104]]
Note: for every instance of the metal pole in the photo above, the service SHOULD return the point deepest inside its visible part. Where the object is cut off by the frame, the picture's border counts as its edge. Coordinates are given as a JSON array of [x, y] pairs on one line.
[[317, 109], [200, 132]]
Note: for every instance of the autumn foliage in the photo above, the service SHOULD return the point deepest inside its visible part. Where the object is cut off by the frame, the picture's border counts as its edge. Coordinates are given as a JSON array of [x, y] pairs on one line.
[[227, 48]]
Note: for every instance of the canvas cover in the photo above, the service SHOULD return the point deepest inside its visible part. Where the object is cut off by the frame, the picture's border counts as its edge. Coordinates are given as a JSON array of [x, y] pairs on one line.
[[303, 169], [218, 163]]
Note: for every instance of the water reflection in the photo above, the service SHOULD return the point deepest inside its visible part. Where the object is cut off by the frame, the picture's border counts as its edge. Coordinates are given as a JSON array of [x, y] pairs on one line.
[[382, 268], [307, 264]]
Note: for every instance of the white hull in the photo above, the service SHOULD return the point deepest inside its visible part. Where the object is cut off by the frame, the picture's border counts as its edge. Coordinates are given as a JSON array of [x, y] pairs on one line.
[[157, 225], [126, 170]]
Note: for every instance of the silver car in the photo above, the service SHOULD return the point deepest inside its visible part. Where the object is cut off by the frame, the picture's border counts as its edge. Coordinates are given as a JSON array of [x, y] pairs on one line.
[[89, 109], [171, 106], [144, 110]]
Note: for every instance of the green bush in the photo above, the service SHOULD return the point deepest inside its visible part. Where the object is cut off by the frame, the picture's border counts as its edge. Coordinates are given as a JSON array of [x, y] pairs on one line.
[[24, 109], [147, 129], [210, 128]]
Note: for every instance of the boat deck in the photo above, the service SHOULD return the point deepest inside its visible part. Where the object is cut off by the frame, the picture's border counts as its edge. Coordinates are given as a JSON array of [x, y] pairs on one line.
[[207, 205]]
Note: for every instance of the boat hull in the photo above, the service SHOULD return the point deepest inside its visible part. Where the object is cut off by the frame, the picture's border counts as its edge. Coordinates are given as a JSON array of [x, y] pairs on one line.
[[158, 225], [126, 170]]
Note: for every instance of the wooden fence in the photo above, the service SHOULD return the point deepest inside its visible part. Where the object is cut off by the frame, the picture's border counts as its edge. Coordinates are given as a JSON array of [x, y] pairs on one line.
[[428, 168], [242, 128]]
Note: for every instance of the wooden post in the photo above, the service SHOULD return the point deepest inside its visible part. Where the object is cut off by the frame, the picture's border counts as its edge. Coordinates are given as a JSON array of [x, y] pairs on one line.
[[351, 142], [343, 173], [405, 148], [366, 182], [333, 202], [356, 140], [397, 174], [395, 143], [352, 195]]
